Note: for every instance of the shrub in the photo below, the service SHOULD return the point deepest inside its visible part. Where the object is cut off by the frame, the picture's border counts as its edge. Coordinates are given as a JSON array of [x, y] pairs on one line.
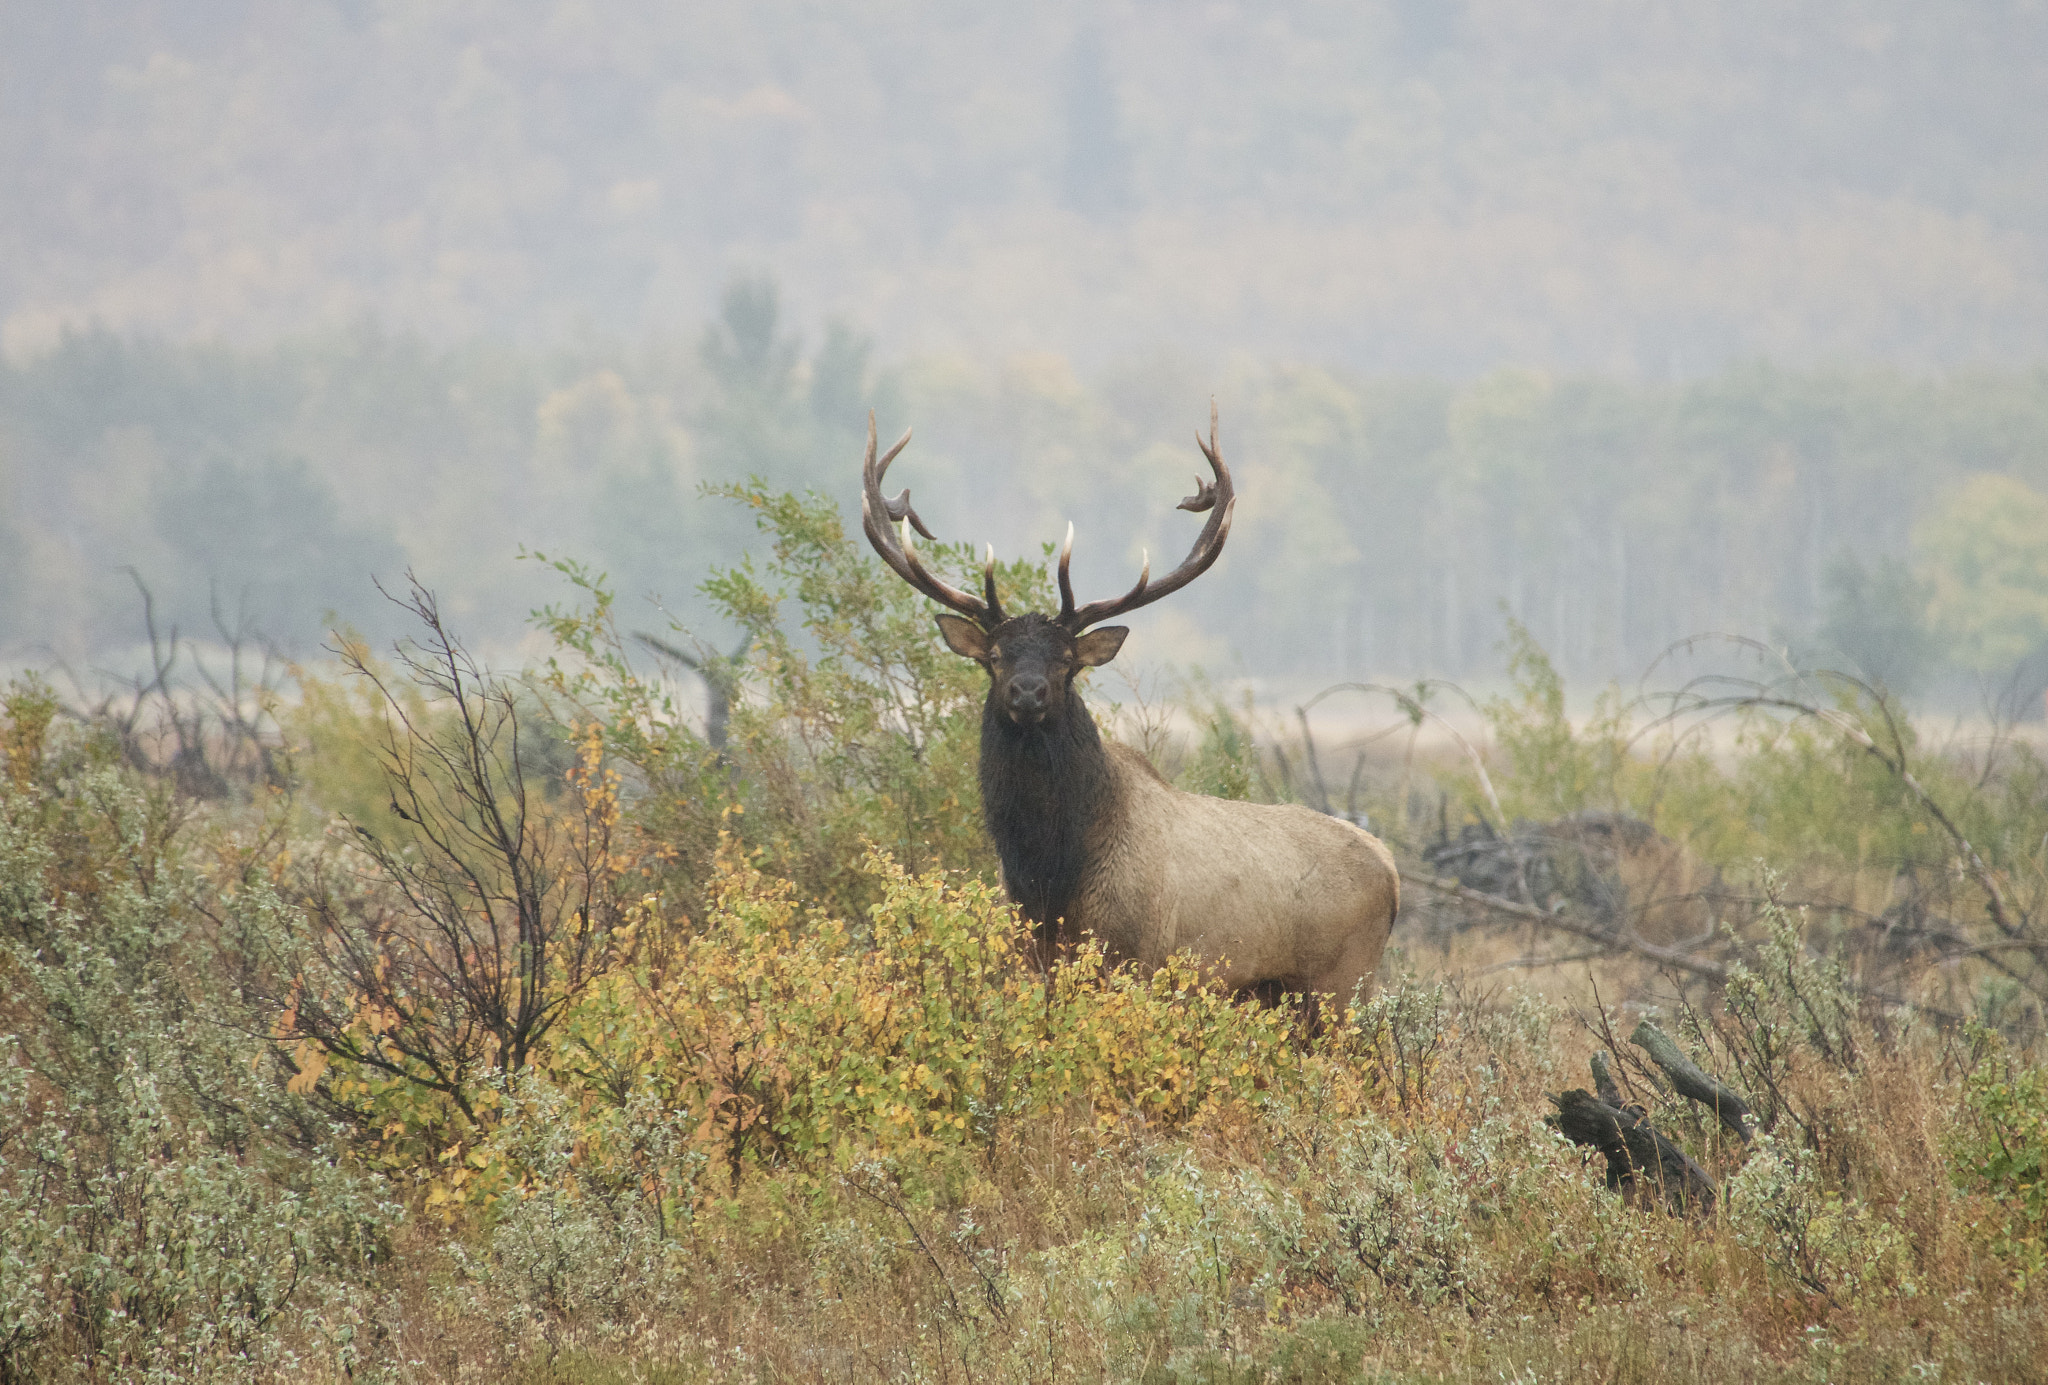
[[1399, 1036], [2000, 1147], [1787, 1010], [1370, 1209], [588, 1239], [1553, 768], [1824, 1240], [865, 728], [791, 1040], [433, 952], [859, 726], [1224, 762], [165, 1202]]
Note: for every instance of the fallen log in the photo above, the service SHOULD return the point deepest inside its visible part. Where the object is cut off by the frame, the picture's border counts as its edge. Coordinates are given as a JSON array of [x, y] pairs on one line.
[[1641, 1163], [1688, 1080], [1603, 1081]]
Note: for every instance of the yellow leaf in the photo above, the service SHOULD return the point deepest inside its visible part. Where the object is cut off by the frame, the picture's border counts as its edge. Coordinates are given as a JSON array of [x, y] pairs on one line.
[[311, 1061]]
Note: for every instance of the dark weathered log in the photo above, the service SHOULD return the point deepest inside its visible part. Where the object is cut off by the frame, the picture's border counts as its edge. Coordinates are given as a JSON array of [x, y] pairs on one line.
[[1603, 1081], [1641, 1163], [1690, 1081]]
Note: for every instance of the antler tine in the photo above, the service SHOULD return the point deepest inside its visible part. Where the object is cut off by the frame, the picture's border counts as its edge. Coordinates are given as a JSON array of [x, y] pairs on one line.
[[882, 467], [895, 547], [1219, 498], [988, 588], [1129, 601], [900, 507], [1067, 582]]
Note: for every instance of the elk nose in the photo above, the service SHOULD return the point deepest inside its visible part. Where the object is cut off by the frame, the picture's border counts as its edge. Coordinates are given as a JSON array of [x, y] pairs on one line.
[[1027, 696]]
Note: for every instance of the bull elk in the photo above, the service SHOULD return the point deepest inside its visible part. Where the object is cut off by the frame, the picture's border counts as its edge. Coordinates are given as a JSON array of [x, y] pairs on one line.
[[1272, 897]]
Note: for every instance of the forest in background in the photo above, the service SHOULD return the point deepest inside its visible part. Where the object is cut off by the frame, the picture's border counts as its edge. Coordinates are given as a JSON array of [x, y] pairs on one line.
[[1888, 522], [1484, 291]]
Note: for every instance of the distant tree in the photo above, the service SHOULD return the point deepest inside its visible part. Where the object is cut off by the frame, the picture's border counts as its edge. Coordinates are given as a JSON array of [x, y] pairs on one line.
[[755, 425], [1878, 618], [839, 378], [1985, 549], [269, 540], [745, 349]]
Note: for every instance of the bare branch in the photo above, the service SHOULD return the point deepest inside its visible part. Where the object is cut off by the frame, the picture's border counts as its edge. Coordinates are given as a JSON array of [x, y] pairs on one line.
[[1620, 941]]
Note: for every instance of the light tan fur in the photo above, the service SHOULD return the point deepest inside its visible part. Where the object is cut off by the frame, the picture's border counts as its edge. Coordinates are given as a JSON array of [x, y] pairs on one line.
[[1262, 893]]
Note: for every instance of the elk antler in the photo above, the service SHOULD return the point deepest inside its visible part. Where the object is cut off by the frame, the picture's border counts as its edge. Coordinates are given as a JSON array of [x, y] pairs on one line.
[[901, 554], [1217, 498]]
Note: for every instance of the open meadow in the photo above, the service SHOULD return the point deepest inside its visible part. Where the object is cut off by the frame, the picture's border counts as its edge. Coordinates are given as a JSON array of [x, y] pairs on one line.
[[402, 1019]]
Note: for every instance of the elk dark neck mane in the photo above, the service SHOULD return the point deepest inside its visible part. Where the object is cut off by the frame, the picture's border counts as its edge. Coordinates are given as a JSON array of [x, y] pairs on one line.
[[1042, 788]]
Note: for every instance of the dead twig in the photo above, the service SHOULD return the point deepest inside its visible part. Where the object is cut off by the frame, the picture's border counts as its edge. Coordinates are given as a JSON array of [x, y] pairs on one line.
[[1537, 963], [1619, 941]]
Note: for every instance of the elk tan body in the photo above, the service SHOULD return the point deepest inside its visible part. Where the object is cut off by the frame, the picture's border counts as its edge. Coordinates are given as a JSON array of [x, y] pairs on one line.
[[1265, 894], [1272, 898]]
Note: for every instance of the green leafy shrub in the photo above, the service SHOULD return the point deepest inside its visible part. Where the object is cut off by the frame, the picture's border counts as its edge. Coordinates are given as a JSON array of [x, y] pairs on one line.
[[1553, 768], [1371, 1209], [858, 726], [2000, 1147], [1788, 1012], [1399, 1036], [865, 728], [1824, 1240], [588, 1238], [167, 1203], [1224, 762]]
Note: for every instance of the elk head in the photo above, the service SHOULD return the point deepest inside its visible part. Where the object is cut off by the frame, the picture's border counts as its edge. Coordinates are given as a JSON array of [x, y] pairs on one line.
[[1032, 659]]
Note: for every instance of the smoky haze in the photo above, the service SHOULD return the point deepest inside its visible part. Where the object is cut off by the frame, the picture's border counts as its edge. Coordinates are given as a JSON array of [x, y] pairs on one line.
[[1626, 321], [1408, 186]]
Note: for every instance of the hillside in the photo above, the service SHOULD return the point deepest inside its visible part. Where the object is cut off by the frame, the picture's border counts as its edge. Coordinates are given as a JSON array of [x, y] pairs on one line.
[[1392, 185]]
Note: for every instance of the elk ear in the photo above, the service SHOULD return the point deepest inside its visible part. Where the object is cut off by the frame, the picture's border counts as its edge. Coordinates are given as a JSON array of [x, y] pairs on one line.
[[1098, 647], [964, 637]]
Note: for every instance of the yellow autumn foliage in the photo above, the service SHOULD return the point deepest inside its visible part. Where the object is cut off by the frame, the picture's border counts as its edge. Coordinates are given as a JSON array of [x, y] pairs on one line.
[[787, 1037]]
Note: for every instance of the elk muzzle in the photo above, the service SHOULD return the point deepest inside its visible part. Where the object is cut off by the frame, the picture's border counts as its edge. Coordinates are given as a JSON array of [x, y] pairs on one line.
[[1027, 697]]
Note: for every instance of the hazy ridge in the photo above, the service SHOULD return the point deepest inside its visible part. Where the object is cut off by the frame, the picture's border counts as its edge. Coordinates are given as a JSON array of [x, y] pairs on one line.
[[1399, 186]]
